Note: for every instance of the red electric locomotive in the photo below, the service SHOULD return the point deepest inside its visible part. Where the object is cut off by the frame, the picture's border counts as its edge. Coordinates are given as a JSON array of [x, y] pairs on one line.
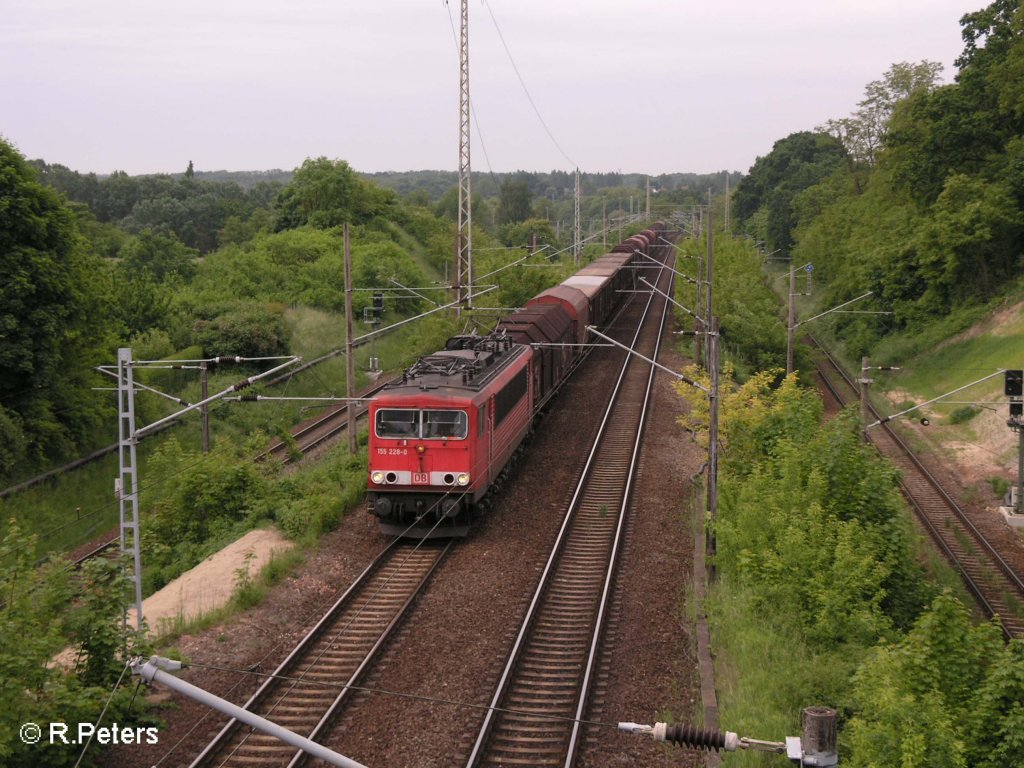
[[441, 435]]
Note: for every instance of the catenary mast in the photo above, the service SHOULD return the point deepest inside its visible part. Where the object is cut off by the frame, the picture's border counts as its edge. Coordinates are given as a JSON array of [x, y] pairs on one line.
[[464, 238]]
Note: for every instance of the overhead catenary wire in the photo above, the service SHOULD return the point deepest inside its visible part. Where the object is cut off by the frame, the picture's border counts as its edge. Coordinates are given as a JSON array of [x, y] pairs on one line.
[[99, 720], [472, 109], [526, 90]]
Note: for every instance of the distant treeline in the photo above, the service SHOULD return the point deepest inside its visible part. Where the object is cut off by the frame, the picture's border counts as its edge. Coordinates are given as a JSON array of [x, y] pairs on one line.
[[554, 185], [194, 209]]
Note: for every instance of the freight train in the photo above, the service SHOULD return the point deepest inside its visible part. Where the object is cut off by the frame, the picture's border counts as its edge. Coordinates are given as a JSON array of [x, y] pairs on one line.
[[441, 435]]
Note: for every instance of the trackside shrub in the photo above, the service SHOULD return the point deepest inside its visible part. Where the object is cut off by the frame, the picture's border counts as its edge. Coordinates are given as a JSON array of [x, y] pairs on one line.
[[814, 555], [45, 613], [249, 331]]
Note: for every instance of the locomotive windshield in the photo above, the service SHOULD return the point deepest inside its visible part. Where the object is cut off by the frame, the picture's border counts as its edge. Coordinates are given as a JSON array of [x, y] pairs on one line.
[[392, 422], [445, 424], [427, 425]]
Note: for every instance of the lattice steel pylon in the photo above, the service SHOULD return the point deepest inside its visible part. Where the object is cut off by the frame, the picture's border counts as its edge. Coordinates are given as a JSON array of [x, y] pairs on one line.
[[464, 238], [577, 247], [128, 479]]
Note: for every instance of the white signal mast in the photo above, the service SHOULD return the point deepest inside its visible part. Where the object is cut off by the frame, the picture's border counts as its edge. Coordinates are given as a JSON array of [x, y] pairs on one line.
[[464, 238]]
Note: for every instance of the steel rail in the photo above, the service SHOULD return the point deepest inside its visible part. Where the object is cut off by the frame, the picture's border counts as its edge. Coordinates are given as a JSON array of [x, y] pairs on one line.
[[613, 559], [309, 652], [545, 582], [1011, 626]]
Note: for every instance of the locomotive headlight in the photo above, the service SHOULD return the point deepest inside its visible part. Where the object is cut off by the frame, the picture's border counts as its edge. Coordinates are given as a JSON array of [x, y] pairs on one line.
[[463, 478], [377, 477]]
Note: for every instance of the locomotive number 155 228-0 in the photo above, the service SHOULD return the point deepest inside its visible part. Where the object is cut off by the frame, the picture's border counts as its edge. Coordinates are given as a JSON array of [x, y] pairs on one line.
[[392, 451]]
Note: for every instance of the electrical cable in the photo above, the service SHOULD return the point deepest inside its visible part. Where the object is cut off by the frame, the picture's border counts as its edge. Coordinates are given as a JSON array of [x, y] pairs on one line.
[[472, 109], [366, 605], [526, 90], [318, 610], [412, 696], [99, 720], [152, 485]]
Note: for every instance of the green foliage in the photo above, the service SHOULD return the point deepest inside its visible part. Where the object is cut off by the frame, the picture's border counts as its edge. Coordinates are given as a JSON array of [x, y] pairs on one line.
[[1000, 485], [162, 257], [765, 670], [304, 508], [971, 242], [811, 539], [521, 234], [248, 331], [752, 337], [328, 193], [963, 414], [209, 499], [191, 209], [51, 320], [514, 204], [142, 305], [46, 612], [795, 163], [942, 696], [861, 134], [302, 266], [205, 500]]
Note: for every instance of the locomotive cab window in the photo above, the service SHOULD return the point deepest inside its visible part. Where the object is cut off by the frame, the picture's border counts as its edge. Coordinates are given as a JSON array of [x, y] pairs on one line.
[[393, 422], [452, 425]]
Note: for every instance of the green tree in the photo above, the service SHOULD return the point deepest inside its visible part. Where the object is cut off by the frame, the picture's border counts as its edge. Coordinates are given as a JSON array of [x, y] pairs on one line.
[[51, 318], [861, 134], [248, 331], [522, 234], [514, 204], [971, 242], [917, 699], [162, 257], [46, 613], [795, 163], [996, 719], [328, 193]]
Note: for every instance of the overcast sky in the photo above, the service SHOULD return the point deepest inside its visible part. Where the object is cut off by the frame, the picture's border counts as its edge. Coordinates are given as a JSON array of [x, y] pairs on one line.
[[649, 86]]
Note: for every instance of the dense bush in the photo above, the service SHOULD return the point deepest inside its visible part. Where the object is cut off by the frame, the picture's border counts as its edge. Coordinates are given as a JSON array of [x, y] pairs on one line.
[[46, 612], [949, 693], [248, 331], [814, 553], [751, 334], [54, 322], [204, 500]]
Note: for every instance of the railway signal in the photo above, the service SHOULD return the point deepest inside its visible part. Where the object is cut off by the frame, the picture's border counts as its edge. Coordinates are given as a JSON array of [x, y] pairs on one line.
[[1013, 388]]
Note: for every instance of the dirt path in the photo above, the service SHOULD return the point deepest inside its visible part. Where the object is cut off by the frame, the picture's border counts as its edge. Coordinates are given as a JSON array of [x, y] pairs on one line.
[[210, 585]]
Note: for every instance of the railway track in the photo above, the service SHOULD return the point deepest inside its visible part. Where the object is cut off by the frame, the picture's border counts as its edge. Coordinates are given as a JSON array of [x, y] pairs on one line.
[[534, 716], [307, 436], [995, 585], [310, 687], [109, 550], [313, 432]]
